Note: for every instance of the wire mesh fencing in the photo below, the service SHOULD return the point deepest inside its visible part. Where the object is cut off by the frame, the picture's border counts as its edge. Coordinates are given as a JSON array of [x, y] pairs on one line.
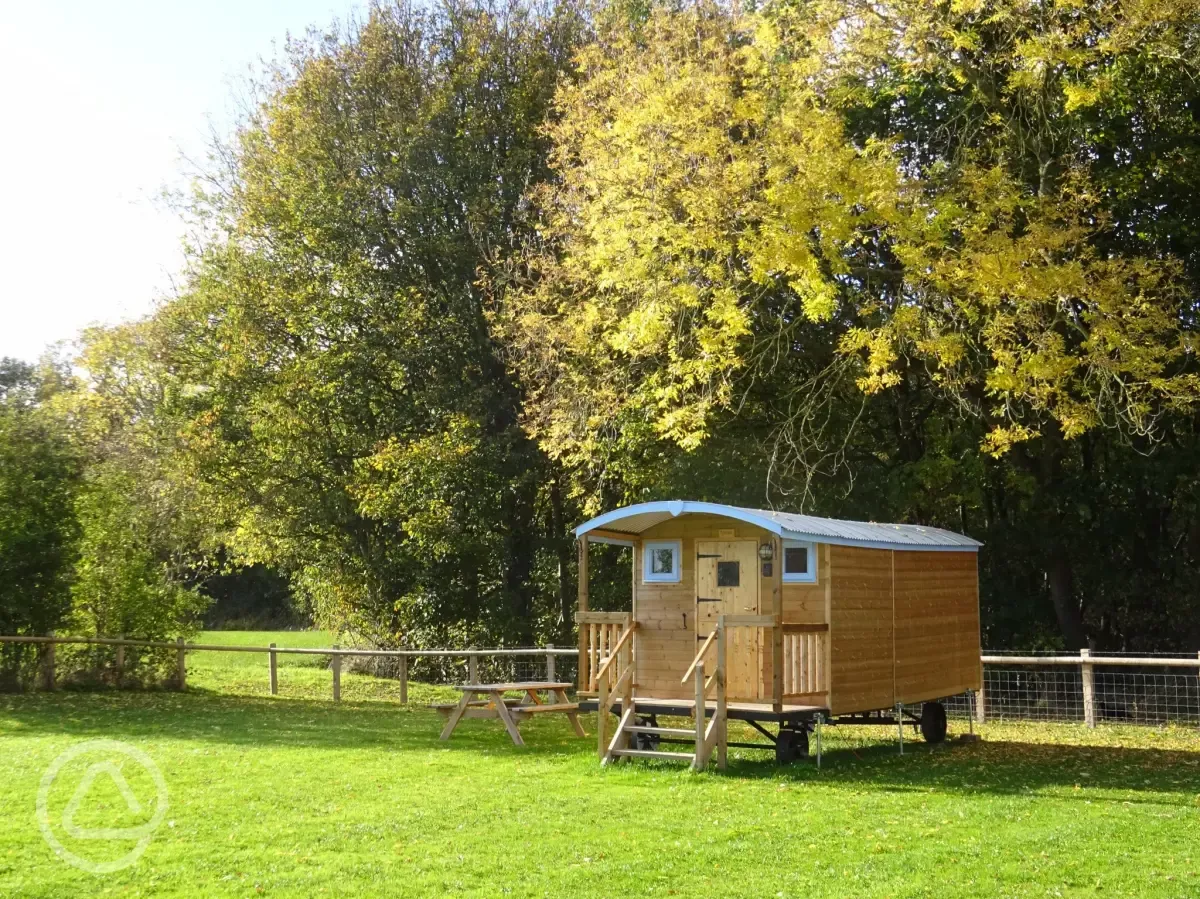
[[1087, 689]]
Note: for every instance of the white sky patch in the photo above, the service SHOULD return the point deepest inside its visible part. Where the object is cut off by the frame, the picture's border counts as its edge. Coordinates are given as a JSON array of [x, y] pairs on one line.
[[100, 101]]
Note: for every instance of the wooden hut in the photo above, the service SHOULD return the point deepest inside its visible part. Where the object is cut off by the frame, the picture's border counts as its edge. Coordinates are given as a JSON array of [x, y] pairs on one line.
[[776, 619]]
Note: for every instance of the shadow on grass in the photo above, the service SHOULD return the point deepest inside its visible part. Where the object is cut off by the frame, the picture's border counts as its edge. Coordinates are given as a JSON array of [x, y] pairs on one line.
[[212, 717], [1001, 767], [998, 766]]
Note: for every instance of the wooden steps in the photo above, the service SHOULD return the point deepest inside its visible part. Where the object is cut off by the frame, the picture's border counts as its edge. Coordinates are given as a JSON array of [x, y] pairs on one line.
[[654, 754], [689, 732], [624, 740], [634, 737]]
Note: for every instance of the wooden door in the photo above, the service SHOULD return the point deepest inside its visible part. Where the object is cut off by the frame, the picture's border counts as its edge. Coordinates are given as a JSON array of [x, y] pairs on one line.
[[727, 584]]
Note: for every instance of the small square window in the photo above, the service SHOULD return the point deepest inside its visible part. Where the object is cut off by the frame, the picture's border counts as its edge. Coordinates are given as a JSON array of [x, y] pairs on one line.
[[729, 574], [661, 561], [799, 562], [795, 560]]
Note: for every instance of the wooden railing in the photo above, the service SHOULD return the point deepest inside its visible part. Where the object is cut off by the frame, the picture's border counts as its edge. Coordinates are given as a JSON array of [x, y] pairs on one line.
[[805, 671], [614, 680], [598, 636], [713, 735]]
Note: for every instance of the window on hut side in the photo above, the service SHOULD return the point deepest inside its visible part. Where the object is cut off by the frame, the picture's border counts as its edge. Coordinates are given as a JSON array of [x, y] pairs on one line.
[[799, 562], [662, 561]]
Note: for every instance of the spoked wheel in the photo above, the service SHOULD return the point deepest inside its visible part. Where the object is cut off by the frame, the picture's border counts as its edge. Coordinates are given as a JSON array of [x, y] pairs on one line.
[[791, 745], [645, 742], [933, 722]]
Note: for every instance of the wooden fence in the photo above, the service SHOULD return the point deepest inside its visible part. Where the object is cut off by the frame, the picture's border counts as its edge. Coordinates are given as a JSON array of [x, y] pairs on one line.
[[335, 653], [1086, 687], [1089, 688]]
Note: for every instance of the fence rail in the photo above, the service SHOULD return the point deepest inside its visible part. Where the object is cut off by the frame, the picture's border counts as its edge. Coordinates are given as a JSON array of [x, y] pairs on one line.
[[1087, 688], [472, 657]]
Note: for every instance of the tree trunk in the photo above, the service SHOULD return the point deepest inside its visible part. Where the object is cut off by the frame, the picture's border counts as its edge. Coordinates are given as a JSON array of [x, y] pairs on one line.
[[1062, 594], [562, 549]]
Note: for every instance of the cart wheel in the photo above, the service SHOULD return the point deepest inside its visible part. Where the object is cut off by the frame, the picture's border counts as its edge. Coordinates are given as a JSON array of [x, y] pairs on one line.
[[645, 742], [933, 722], [791, 745]]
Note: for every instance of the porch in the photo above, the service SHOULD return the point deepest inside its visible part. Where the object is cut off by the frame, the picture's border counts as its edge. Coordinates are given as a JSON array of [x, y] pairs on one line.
[[608, 685]]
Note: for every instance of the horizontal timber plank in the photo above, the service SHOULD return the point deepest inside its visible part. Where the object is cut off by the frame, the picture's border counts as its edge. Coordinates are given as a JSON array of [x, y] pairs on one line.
[[749, 620], [545, 707]]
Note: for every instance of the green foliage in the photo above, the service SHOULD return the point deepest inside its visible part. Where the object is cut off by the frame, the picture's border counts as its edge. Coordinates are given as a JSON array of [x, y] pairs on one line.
[[466, 274], [141, 539], [339, 398], [122, 583], [39, 476], [711, 203], [906, 260], [250, 597]]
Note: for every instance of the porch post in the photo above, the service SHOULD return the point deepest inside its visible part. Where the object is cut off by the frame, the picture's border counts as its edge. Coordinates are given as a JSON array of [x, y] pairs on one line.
[[720, 713], [583, 671], [777, 630], [583, 573]]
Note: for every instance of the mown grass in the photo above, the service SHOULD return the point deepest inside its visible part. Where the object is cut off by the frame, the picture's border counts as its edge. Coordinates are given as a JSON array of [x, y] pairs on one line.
[[297, 796]]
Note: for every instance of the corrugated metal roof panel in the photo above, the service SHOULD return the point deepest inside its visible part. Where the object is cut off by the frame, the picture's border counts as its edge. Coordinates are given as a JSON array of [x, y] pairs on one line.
[[789, 525]]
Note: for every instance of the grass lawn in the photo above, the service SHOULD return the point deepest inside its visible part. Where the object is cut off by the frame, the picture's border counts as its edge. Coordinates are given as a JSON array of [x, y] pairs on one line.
[[296, 796], [247, 672]]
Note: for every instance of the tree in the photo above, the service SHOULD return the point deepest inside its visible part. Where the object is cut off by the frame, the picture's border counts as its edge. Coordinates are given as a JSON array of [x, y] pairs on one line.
[[39, 475], [142, 539], [337, 389], [859, 233]]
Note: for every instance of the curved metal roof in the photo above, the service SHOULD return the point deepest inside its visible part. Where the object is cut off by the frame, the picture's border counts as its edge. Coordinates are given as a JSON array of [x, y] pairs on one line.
[[634, 520]]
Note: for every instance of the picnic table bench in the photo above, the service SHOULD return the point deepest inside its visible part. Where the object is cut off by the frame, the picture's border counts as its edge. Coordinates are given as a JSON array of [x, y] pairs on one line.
[[489, 701]]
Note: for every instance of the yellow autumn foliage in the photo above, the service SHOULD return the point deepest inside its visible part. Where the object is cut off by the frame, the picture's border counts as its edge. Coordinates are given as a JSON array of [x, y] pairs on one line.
[[709, 198]]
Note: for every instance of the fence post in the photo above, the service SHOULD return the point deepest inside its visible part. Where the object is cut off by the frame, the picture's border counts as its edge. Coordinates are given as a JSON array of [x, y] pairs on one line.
[[473, 667], [1089, 688], [550, 673], [337, 674], [120, 665], [980, 701], [180, 664], [274, 656], [404, 679], [48, 664]]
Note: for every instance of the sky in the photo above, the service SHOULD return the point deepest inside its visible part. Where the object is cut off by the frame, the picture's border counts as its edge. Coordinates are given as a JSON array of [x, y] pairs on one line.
[[102, 104]]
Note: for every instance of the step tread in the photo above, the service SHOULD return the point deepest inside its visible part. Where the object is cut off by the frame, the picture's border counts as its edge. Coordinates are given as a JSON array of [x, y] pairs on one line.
[[661, 731], [648, 754]]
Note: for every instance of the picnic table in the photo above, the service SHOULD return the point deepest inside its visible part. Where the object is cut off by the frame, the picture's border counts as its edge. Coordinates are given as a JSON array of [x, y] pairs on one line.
[[489, 701]]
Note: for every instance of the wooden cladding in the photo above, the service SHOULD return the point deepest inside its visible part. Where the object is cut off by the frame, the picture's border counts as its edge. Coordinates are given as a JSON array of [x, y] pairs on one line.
[[804, 660], [743, 666], [904, 627], [937, 625]]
